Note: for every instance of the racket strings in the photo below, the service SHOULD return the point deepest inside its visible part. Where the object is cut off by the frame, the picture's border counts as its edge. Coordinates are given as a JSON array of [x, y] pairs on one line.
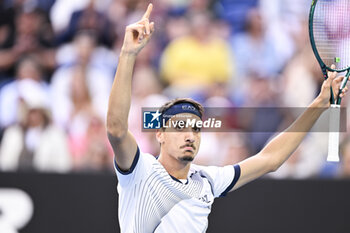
[[331, 29]]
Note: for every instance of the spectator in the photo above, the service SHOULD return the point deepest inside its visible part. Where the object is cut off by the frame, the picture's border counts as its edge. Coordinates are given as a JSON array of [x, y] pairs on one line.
[[234, 12], [34, 143], [90, 19], [7, 30], [84, 61], [28, 68], [194, 62], [32, 36], [98, 158], [90, 149], [255, 50], [302, 73], [84, 126], [62, 11]]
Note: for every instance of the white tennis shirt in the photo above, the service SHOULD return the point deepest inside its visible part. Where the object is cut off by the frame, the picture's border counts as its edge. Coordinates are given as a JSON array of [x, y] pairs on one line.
[[150, 200]]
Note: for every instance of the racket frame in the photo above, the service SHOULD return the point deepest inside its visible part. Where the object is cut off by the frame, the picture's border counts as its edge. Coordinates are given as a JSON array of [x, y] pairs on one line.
[[333, 142], [313, 44]]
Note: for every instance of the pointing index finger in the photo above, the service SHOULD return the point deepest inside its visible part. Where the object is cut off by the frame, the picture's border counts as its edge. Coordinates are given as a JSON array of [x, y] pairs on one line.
[[148, 12]]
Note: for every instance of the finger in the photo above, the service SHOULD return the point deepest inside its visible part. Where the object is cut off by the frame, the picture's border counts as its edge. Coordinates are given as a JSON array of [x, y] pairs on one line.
[[148, 37], [151, 25], [328, 83], [337, 83], [145, 22], [135, 26], [147, 27], [345, 90], [148, 11], [339, 79], [332, 74], [140, 32]]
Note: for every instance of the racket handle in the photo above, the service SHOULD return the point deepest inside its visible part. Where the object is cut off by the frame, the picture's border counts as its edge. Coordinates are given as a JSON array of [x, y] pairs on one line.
[[334, 126]]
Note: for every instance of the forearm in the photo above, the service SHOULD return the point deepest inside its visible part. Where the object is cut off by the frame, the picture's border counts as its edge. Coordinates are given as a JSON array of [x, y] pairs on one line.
[[120, 97], [282, 146]]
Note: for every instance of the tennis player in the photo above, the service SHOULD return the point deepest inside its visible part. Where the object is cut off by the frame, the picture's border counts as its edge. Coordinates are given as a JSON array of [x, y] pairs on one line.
[[169, 193]]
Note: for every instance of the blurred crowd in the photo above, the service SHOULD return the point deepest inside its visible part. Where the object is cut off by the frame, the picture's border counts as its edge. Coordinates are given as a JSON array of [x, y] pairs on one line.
[[58, 59]]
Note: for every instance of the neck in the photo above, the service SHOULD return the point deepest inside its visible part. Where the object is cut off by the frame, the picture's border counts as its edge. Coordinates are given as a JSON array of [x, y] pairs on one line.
[[174, 166]]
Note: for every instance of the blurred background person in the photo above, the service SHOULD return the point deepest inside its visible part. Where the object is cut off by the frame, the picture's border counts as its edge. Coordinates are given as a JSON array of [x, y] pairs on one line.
[[90, 150], [255, 49], [192, 63], [83, 64], [28, 69], [62, 11], [34, 143], [89, 19], [82, 118], [29, 33]]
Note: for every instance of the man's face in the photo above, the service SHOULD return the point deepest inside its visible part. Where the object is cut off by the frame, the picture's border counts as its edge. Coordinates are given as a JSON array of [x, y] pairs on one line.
[[178, 141]]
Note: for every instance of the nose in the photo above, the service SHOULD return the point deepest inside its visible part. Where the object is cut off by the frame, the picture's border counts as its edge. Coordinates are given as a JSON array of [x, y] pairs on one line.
[[189, 137], [189, 140]]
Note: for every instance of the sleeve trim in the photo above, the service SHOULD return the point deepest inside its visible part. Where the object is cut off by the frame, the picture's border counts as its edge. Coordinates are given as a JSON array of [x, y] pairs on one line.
[[133, 165], [234, 181]]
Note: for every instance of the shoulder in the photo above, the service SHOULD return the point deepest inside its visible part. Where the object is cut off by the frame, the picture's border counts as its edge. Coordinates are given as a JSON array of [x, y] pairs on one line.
[[14, 130], [196, 168], [141, 167], [143, 162], [215, 173], [221, 179], [204, 171]]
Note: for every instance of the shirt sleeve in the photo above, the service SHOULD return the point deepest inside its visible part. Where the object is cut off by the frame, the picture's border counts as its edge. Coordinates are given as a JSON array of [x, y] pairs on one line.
[[140, 167], [222, 179]]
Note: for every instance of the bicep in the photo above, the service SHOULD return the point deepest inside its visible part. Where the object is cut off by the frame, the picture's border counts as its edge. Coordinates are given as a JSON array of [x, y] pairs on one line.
[[252, 168], [124, 150]]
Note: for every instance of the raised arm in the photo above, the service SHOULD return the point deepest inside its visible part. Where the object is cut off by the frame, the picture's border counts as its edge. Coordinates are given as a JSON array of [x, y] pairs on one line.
[[124, 145], [282, 146]]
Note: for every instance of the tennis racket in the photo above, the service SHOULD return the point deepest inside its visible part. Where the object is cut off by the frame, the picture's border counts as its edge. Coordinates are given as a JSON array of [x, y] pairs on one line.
[[329, 28]]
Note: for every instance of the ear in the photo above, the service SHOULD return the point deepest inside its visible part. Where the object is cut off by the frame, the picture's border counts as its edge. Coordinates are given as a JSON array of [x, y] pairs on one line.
[[160, 136]]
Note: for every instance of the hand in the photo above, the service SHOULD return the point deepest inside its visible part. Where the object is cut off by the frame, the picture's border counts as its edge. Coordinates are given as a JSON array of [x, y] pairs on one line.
[[334, 82], [137, 35]]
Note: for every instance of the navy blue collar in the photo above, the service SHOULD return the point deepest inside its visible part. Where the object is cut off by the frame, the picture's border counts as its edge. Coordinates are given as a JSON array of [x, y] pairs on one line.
[[172, 177]]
